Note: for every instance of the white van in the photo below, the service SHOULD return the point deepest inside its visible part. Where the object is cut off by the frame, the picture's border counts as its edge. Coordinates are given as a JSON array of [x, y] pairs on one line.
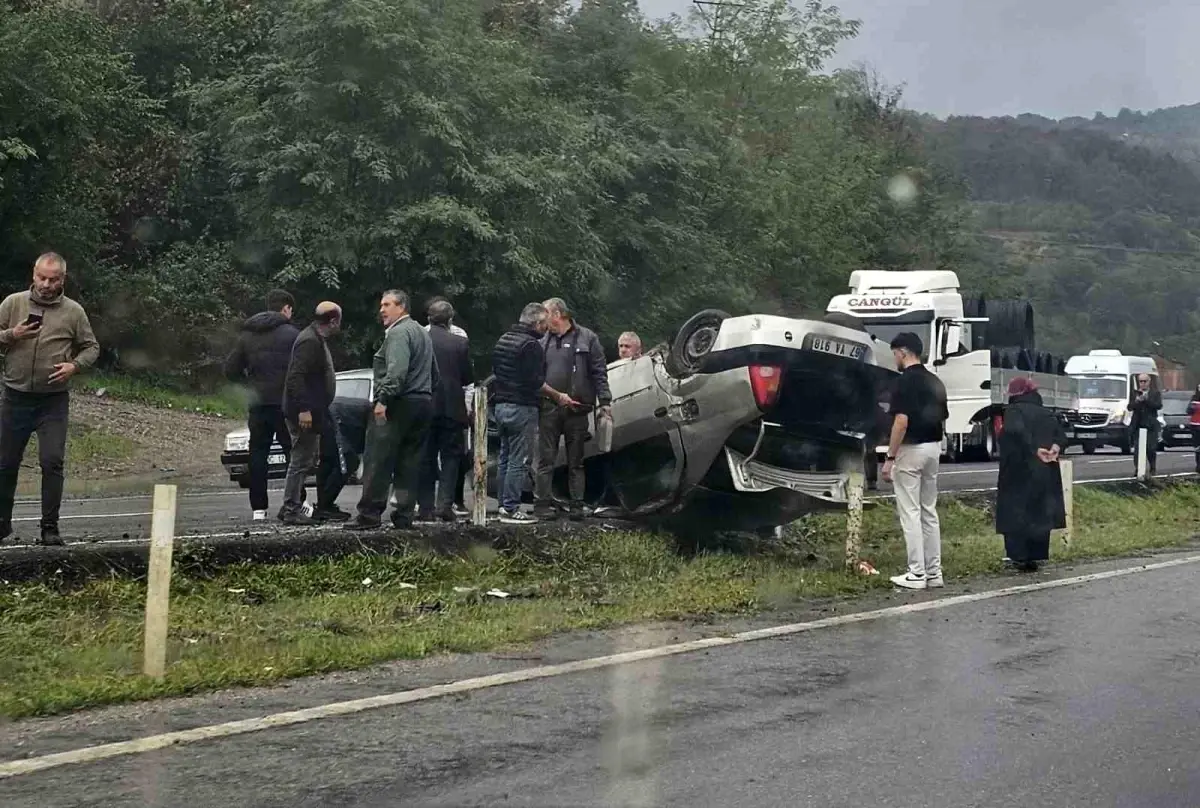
[[1106, 379]]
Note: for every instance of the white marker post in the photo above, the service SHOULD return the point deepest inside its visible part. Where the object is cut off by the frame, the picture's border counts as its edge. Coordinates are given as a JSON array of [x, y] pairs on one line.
[[479, 509], [854, 503], [158, 584], [1143, 470], [1067, 469]]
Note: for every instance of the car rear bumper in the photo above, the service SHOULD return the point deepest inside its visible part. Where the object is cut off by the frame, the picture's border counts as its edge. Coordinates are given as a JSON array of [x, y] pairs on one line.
[[237, 464], [752, 477]]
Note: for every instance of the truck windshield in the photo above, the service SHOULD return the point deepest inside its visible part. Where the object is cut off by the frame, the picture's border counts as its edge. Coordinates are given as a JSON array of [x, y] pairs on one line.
[[1103, 388], [886, 332]]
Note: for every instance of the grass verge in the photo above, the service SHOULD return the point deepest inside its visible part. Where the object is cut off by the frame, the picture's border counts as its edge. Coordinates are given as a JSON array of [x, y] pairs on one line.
[[251, 624], [229, 402]]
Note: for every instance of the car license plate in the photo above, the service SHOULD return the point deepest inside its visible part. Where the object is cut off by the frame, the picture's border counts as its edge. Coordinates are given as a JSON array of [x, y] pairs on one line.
[[276, 460], [849, 350]]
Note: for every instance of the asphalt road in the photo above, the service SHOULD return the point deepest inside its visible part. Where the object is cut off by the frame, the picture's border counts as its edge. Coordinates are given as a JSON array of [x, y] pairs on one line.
[[1079, 696], [228, 512]]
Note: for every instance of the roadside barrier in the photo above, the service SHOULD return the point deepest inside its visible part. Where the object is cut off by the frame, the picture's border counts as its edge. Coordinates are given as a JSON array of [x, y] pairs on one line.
[[1143, 469], [479, 437], [158, 584]]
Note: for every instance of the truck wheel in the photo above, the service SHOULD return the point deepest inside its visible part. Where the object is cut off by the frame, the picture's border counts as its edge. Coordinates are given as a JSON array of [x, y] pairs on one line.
[[693, 342], [243, 482], [1126, 448], [1090, 447]]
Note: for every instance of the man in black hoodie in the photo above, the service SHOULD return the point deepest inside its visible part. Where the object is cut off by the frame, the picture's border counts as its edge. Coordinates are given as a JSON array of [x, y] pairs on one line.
[[261, 358]]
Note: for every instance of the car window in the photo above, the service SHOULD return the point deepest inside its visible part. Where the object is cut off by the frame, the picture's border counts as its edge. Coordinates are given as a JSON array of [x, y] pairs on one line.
[[354, 388], [1175, 406]]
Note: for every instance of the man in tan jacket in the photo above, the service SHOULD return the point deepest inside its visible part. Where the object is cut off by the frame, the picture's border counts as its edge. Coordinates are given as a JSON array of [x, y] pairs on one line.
[[46, 339]]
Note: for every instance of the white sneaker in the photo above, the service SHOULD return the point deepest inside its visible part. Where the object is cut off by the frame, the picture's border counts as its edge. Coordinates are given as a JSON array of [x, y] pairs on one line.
[[516, 517], [259, 516], [934, 582], [307, 508], [909, 581]]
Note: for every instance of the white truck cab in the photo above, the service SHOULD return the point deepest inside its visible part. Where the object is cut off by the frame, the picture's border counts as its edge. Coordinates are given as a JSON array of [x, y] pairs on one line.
[[930, 304], [1105, 380]]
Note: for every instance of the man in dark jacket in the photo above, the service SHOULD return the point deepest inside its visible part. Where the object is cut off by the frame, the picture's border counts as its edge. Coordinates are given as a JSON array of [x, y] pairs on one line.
[[1145, 404], [308, 393], [519, 368], [405, 377], [447, 431], [576, 369], [261, 358]]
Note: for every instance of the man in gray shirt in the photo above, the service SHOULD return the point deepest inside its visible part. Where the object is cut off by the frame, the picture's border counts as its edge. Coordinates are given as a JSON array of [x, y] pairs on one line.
[[405, 373], [577, 372]]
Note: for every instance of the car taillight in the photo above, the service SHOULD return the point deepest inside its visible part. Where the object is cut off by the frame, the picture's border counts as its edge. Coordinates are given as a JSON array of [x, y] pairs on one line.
[[765, 381]]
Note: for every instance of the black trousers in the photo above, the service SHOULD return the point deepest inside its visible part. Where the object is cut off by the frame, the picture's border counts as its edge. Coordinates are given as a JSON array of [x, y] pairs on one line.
[[267, 425], [394, 454], [555, 424], [21, 415], [443, 459]]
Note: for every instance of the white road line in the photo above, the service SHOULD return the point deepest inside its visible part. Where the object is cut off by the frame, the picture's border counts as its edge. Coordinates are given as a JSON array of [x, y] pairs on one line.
[[150, 743], [85, 516]]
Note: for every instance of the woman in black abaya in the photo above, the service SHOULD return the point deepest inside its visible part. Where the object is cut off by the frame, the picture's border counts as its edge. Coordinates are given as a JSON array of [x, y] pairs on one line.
[[1029, 499]]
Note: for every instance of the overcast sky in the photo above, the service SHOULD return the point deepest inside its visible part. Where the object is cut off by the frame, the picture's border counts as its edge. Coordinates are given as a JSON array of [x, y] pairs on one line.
[[1005, 57]]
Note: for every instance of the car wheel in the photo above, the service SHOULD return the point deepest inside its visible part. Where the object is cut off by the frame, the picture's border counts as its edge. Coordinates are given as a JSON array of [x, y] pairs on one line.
[[243, 482], [694, 341], [1089, 447]]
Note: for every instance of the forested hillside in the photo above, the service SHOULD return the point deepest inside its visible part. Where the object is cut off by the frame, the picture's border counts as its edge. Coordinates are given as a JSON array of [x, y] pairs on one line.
[[1102, 234], [188, 154]]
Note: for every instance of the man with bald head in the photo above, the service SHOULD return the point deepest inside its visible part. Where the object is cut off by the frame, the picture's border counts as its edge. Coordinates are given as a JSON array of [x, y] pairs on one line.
[[46, 339], [308, 392]]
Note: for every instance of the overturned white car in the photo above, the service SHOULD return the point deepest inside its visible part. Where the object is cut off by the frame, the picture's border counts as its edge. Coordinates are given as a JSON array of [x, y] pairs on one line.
[[740, 422]]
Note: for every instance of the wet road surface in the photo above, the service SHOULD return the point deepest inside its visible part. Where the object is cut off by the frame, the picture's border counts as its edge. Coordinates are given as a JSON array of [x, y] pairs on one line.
[[1086, 695], [228, 512]]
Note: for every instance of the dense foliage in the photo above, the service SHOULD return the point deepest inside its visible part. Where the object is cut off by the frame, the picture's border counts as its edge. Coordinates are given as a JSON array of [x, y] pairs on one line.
[[188, 154]]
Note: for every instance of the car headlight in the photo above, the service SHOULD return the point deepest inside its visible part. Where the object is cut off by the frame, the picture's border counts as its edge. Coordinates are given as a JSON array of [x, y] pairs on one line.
[[237, 443]]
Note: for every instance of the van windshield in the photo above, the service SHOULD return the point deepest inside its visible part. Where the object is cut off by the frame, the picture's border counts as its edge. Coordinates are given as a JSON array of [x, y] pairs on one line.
[[1103, 388]]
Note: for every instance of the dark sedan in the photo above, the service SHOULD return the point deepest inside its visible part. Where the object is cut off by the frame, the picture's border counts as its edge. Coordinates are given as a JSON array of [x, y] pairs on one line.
[[1179, 430]]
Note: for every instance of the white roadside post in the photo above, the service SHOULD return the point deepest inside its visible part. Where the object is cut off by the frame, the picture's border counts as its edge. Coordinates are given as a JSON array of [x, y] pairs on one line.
[[854, 504], [479, 434], [1143, 470], [1067, 469], [158, 583]]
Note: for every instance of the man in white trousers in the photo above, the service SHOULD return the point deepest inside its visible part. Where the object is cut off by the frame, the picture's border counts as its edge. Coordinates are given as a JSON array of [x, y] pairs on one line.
[[918, 407]]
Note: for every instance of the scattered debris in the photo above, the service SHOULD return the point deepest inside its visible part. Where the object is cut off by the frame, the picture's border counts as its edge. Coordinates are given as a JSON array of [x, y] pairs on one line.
[[403, 585], [367, 582], [497, 593], [464, 589], [236, 591], [866, 569]]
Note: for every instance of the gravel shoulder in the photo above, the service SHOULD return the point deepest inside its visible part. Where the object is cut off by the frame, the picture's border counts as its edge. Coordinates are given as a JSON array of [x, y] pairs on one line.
[[118, 446]]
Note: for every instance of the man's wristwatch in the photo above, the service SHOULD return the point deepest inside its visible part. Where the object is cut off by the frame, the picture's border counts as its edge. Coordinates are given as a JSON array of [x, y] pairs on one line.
[[891, 458]]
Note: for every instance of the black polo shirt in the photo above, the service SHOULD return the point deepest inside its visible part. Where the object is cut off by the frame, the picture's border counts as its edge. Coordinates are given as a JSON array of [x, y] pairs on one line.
[[922, 397]]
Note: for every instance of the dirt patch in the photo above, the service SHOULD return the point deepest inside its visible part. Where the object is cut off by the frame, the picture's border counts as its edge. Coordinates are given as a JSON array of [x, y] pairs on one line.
[[115, 446]]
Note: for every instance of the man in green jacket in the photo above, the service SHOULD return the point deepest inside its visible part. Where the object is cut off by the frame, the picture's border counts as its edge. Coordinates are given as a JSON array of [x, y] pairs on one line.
[[46, 338], [405, 374]]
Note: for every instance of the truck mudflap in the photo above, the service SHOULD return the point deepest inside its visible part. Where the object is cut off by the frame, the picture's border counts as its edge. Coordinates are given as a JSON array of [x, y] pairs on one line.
[[751, 476]]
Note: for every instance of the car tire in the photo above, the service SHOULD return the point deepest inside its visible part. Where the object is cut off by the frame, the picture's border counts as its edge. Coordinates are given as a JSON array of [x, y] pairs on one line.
[[243, 482], [693, 342], [1090, 447]]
